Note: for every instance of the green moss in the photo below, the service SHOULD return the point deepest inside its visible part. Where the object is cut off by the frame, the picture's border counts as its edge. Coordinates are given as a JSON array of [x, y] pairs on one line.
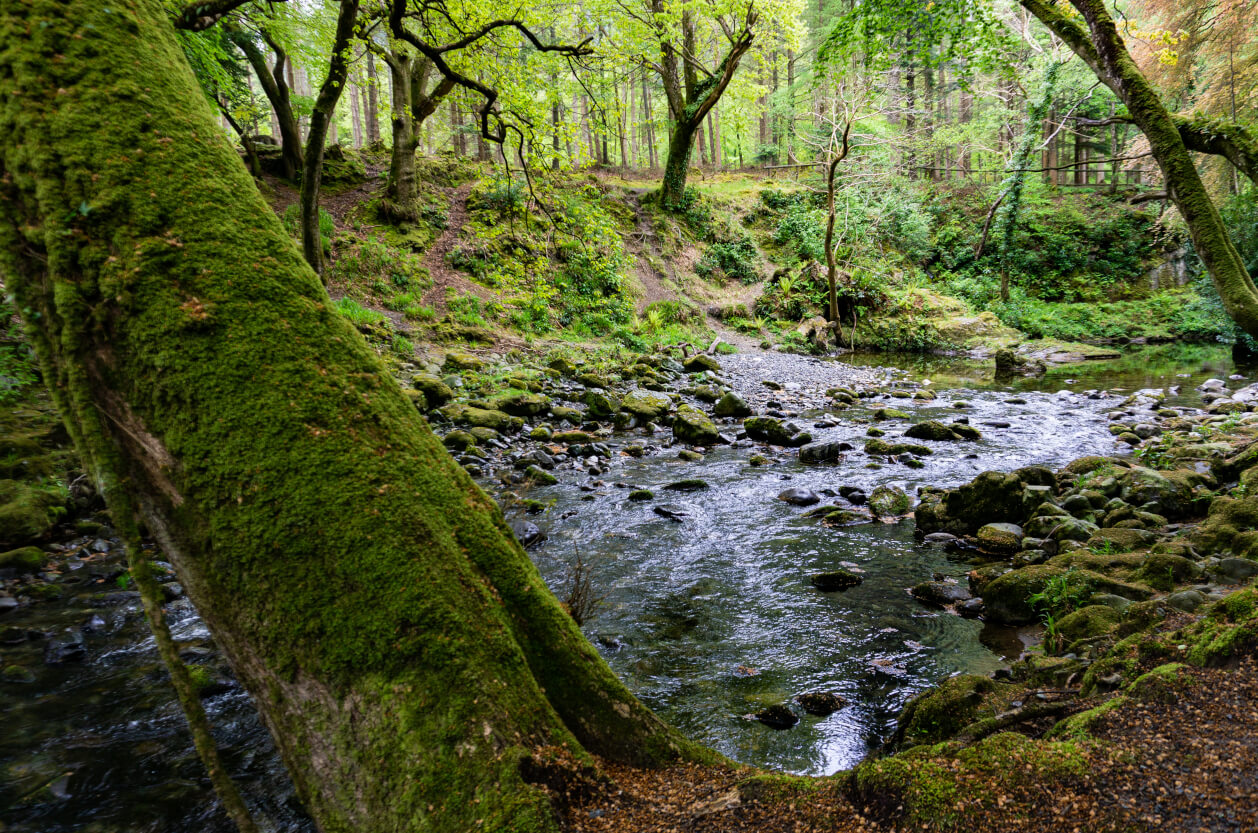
[[24, 560], [940, 713], [1163, 684], [28, 511], [312, 516]]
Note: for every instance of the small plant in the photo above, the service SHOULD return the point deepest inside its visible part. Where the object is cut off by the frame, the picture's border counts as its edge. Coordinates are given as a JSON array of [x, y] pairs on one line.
[[356, 313], [581, 603]]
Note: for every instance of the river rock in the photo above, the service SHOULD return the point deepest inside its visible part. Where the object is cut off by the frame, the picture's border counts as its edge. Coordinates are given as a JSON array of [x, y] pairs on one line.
[[800, 497], [889, 502], [772, 431], [777, 717], [693, 427], [835, 580], [689, 485], [1009, 363], [854, 495], [701, 362], [820, 703], [732, 405], [673, 513], [648, 406], [523, 404], [1000, 537], [69, 647], [24, 560], [436, 392], [823, 452], [599, 405], [526, 533], [27, 513], [940, 593], [934, 430]]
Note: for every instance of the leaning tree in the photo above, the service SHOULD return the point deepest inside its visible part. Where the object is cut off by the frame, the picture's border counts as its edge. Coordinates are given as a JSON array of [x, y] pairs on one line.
[[402, 649]]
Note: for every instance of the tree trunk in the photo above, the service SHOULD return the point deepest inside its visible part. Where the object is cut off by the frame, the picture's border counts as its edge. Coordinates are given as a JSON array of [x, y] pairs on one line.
[[373, 101], [400, 646], [402, 186], [320, 118], [1107, 56], [276, 89], [356, 118], [677, 164]]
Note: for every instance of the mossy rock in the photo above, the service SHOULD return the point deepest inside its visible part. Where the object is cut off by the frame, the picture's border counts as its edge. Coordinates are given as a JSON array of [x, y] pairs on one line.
[[523, 404], [593, 380], [23, 458], [1000, 537], [488, 418], [693, 427], [882, 448], [1163, 684], [772, 431], [1088, 622], [540, 476], [434, 390], [890, 413], [835, 580], [732, 405], [1228, 630], [599, 405], [648, 406], [1228, 518], [455, 361], [24, 560], [940, 713], [573, 437], [700, 363], [573, 415], [889, 502], [28, 512], [932, 430], [641, 494], [459, 440], [1163, 571]]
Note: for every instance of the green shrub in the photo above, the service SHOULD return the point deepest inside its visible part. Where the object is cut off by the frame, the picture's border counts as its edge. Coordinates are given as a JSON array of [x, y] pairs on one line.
[[356, 313]]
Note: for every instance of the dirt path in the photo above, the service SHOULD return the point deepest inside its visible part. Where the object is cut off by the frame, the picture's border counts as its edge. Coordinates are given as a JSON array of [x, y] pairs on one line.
[[444, 276]]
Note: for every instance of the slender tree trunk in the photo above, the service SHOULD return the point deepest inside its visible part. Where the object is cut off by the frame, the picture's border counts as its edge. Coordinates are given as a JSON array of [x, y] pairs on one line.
[[320, 118], [649, 123], [713, 143], [276, 89], [355, 115], [373, 105], [402, 649]]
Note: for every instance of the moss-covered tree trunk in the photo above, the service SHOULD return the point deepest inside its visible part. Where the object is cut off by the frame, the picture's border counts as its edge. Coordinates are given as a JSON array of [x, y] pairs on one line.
[[1103, 49], [275, 87], [402, 649], [321, 117], [413, 103]]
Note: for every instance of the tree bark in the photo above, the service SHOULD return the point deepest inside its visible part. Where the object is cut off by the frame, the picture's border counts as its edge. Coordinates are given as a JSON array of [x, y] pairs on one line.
[[320, 118], [1102, 49], [690, 103], [373, 101], [276, 89], [400, 646]]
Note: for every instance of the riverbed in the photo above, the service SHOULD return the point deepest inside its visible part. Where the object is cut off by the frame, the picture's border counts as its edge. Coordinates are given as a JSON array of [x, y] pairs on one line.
[[708, 617]]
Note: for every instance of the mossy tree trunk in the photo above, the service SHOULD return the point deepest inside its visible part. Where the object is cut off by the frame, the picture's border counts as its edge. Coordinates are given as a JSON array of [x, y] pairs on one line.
[[413, 103], [321, 116], [275, 87], [1103, 50], [404, 652], [690, 98]]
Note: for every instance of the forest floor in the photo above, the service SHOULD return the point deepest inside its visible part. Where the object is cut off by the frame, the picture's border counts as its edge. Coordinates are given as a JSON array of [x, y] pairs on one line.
[[1187, 764]]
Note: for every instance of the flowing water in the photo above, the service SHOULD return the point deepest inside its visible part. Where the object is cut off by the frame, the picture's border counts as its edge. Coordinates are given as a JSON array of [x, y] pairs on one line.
[[707, 619]]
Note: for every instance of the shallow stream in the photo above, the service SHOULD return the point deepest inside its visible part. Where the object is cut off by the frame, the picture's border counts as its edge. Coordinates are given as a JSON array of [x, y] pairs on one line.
[[707, 619]]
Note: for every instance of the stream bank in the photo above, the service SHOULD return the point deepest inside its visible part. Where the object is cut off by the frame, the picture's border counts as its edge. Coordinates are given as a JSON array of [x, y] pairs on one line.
[[710, 614]]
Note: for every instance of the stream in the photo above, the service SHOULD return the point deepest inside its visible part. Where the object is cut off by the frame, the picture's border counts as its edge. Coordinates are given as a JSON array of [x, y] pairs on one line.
[[707, 619]]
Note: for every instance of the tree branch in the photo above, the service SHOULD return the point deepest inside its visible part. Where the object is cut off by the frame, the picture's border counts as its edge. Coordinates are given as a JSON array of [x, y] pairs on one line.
[[203, 14]]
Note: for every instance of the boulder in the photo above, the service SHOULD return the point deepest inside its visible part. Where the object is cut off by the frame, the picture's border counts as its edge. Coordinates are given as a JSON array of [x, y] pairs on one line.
[[889, 502], [940, 593], [772, 431], [835, 580], [1000, 537], [1009, 363], [648, 406], [523, 404], [800, 497], [27, 512], [693, 427], [436, 392], [823, 452], [820, 703], [24, 560], [934, 430], [777, 717], [701, 362], [599, 405], [732, 405]]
